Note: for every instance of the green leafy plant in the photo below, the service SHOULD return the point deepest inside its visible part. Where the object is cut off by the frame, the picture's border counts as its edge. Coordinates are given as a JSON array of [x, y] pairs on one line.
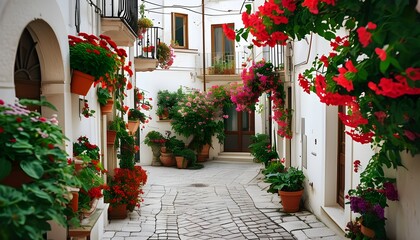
[[84, 147], [261, 149], [136, 114], [90, 178], [34, 145], [166, 101], [173, 143], [273, 167], [103, 95], [95, 56], [196, 115], [153, 138], [290, 180]]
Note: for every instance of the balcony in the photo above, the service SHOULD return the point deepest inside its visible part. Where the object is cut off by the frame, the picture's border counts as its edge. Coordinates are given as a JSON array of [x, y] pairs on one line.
[[278, 57], [222, 66], [119, 21], [146, 50]]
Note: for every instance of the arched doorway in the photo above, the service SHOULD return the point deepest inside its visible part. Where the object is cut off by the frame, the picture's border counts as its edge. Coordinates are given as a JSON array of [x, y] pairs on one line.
[[27, 72]]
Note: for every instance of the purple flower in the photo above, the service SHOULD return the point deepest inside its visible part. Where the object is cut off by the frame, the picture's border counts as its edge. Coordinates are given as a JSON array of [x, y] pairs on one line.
[[379, 211], [358, 204], [390, 192]]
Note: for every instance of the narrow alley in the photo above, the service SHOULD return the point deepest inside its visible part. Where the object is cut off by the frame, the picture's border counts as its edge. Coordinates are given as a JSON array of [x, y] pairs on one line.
[[223, 200]]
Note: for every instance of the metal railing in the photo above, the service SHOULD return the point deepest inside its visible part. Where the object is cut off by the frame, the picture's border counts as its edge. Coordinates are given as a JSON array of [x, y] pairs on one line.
[[126, 10], [218, 63], [275, 55], [147, 42]]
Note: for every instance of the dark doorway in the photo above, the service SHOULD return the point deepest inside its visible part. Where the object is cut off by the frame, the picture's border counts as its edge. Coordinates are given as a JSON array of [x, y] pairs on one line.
[[341, 159], [27, 69], [239, 128]]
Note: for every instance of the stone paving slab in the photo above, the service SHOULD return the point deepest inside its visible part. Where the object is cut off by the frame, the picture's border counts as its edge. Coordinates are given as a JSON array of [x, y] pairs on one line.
[[220, 201]]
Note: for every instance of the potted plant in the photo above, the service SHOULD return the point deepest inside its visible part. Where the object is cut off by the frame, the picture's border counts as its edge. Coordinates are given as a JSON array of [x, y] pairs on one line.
[[105, 99], [370, 200], [143, 23], [34, 172], [90, 178], [83, 147], [165, 55], [136, 115], [166, 101], [289, 185], [94, 59], [197, 116], [155, 140], [124, 191], [261, 149]]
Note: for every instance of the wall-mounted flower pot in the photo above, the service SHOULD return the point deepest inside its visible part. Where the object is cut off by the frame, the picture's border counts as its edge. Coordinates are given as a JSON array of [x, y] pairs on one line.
[[133, 126], [368, 232], [110, 137], [107, 108], [81, 82]]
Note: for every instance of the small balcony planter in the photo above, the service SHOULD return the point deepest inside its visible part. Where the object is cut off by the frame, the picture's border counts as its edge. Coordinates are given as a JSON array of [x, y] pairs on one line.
[[81, 82]]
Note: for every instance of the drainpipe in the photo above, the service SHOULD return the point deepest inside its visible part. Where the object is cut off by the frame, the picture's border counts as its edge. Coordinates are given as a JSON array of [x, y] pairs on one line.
[[204, 46]]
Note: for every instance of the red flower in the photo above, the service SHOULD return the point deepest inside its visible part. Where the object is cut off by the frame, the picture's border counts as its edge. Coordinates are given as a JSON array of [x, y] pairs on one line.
[[413, 73], [312, 5], [230, 34], [381, 53], [1, 129], [18, 119]]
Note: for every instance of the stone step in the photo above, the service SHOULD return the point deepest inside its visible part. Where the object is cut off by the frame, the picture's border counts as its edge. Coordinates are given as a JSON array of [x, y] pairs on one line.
[[234, 157]]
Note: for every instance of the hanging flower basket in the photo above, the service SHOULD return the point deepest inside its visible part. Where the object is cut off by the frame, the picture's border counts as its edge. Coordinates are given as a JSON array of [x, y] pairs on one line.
[[133, 126], [81, 82]]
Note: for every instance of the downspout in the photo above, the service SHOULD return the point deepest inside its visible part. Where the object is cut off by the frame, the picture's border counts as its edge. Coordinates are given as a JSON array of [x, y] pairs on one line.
[[204, 46]]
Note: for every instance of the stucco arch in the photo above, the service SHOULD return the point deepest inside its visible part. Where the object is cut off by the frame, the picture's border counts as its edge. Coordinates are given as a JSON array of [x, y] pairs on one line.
[[45, 22]]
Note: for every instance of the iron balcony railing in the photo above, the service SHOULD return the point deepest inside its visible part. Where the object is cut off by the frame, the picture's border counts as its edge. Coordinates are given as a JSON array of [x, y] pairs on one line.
[[276, 55], [147, 42], [126, 10]]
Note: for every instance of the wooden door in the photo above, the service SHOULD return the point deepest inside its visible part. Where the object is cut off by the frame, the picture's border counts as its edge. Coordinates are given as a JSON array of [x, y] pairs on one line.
[[239, 128], [341, 159]]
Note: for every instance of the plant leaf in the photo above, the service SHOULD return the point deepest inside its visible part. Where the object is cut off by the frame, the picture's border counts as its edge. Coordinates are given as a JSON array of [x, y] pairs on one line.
[[33, 168]]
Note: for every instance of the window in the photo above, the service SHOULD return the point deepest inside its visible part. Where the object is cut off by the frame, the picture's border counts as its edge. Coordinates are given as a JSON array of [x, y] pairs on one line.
[[180, 30], [223, 51]]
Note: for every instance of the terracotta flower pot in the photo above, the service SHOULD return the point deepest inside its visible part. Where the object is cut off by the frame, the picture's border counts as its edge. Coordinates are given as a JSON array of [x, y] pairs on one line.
[[133, 126], [181, 162], [81, 82], [110, 137], [74, 202], [107, 108], [204, 154], [290, 200], [368, 232], [167, 159], [117, 212]]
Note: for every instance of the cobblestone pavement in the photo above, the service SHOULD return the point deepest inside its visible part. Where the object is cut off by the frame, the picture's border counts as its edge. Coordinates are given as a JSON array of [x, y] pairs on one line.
[[220, 201]]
